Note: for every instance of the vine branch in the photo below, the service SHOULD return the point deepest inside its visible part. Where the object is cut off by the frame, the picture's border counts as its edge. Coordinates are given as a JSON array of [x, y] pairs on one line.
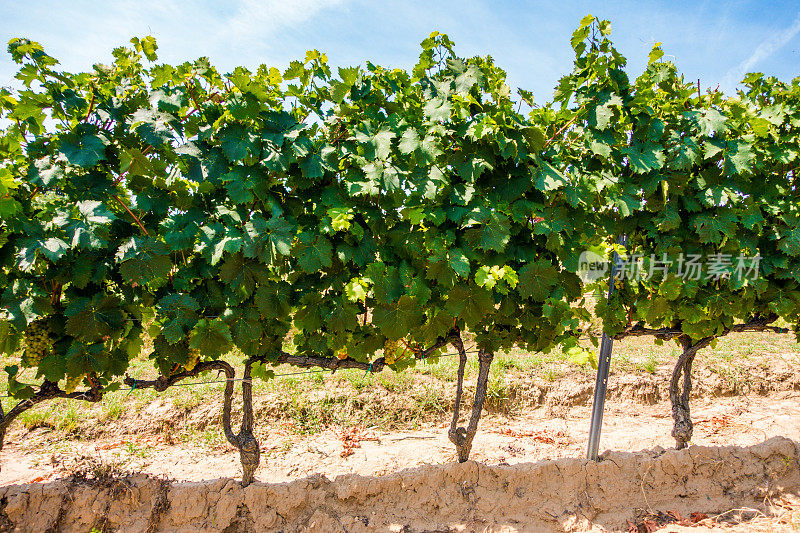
[[333, 364], [244, 441], [754, 324], [49, 390], [130, 213]]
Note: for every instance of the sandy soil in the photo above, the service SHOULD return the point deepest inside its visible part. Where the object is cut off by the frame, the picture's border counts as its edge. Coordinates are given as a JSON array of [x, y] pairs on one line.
[[569, 494], [628, 426], [528, 472]]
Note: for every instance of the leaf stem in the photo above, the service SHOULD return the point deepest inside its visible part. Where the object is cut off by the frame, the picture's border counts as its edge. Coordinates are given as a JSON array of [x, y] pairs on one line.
[[131, 214]]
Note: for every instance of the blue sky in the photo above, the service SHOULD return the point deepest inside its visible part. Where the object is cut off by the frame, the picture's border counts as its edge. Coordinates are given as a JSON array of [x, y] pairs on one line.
[[715, 41]]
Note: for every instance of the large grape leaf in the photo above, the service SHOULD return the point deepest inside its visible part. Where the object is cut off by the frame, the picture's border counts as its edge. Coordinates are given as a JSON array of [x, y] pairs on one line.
[[447, 265], [426, 150], [399, 319], [242, 275], [94, 319], [547, 178], [312, 166], [388, 286], [248, 332], [378, 144], [707, 121], [211, 337], [181, 229], [644, 157], [713, 227], [10, 338], [267, 240], [27, 251], [313, 252], [85, 224], [494, 234], [537, 280], [83, 147], [470, 303], [343, 317], [438, 109], [54, 248], [145, 261], [45, 171], [178, 315], [273, 299], [240, 183], [790, 243], [238, 142], [437, 325]]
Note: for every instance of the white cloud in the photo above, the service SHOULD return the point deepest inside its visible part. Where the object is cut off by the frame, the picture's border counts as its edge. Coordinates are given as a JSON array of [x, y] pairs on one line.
[[763, 51], [232, 33], [259, 18]]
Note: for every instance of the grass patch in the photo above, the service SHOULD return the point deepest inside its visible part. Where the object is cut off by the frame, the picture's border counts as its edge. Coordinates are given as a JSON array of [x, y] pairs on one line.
[[113, 407], [650, 364], [497, 393], [63, 416], [398, 382]]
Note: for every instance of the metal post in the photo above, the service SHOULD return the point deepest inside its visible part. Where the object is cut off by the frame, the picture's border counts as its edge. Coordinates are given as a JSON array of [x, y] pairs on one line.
[[603, 367]]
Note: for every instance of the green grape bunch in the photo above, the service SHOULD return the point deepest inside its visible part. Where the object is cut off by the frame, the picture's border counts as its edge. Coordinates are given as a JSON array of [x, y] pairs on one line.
[[194, 358], [390, 351], [38, 341], [72, 382]]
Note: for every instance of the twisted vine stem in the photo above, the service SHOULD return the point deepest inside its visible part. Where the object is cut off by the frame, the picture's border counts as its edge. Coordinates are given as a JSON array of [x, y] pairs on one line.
[[679, 394], [680, 385], [49, 390], [460, 436], [244, 441]]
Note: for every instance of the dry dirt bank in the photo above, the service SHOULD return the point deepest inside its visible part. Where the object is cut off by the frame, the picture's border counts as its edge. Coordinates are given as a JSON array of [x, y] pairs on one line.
[[567, 494]]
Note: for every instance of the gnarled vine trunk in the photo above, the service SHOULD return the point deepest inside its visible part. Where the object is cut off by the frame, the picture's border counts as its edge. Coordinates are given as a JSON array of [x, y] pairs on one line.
[[462, 437], [680, 390], [245, 441]]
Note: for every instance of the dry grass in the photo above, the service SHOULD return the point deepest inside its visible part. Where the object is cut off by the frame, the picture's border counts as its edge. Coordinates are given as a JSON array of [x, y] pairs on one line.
[[312, 401]]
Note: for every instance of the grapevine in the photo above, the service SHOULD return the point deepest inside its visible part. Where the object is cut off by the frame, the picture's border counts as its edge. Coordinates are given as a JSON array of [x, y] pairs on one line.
[[368, 218], [683, 173]]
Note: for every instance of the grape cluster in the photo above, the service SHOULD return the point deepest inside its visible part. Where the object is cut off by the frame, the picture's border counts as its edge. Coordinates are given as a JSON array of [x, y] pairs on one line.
[[194, 358], [38, 343], [390, 351], [72, 383]]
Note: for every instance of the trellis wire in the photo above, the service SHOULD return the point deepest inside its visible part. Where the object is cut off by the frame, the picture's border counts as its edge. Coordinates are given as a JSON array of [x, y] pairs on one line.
[[305, 372]]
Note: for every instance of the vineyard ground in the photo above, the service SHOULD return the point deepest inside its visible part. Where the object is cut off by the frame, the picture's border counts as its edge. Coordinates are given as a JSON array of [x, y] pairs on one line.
[[747, 391]]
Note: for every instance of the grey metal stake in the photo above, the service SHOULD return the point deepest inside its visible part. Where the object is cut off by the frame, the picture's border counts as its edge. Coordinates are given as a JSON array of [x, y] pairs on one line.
[[603, 367]]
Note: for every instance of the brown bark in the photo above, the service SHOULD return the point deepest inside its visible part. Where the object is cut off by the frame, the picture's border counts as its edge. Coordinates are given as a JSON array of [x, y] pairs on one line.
[[680, 386], [457, 434], [680, 390], [244, 441], [334, 364], [249, 451], [756, 324], [462, 437]]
